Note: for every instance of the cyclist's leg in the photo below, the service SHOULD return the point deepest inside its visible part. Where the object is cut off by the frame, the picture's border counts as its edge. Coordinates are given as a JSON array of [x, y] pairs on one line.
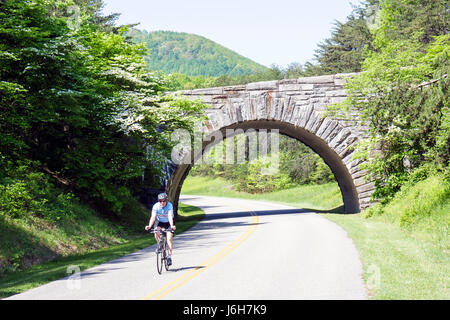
[[170, 242], [157, 231]]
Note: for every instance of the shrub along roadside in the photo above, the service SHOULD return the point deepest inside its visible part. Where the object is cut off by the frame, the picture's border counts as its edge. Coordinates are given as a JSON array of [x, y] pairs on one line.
[[422, 209], [39, 221], [17, 282]]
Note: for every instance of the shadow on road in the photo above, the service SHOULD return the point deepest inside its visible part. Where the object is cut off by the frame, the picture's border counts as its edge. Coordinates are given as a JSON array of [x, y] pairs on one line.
[[208, 229], [186, 268], [239, 214]]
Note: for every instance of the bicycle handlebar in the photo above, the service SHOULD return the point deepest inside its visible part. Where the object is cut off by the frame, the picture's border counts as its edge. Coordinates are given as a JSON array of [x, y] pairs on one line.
[[162, 230]]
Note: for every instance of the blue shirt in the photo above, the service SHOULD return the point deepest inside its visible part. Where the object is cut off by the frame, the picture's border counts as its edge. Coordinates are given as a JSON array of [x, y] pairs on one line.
[[162, 214]]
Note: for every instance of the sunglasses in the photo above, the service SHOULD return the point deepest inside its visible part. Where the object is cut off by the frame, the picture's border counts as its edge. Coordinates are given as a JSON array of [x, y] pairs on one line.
[[162, 200]]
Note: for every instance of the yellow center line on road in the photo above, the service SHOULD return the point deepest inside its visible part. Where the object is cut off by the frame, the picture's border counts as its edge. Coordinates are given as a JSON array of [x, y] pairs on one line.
[[160, 293]]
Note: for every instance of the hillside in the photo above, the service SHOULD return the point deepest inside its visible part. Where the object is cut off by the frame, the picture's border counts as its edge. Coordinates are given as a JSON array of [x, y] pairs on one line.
[[193, 55]]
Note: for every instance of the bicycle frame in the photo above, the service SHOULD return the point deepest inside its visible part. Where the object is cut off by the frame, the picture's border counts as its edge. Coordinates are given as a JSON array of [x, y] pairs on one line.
[[163, 248]]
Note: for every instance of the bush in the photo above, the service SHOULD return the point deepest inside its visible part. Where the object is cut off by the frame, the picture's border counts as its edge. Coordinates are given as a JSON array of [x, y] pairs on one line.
[[16, 200], [421, 201], [261, 177], [296, 165], [420, 206], [31, 193], [322, 173]]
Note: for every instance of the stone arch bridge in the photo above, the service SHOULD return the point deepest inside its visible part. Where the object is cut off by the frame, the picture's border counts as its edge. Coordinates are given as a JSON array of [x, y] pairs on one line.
[[294, 107]]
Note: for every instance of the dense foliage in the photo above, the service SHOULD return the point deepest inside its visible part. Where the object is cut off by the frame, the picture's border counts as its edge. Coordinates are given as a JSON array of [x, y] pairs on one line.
[[175, 52], [77, 100], [294, 164], [402, 95], [343, 51]]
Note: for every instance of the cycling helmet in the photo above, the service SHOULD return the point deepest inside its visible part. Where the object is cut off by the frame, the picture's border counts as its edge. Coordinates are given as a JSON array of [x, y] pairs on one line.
[[162, 196]]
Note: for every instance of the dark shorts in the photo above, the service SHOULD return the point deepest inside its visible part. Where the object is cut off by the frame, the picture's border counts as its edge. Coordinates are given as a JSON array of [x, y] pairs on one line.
[[159, 225]]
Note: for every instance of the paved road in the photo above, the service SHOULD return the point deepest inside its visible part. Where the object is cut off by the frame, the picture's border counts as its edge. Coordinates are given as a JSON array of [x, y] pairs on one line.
[[241, 250]]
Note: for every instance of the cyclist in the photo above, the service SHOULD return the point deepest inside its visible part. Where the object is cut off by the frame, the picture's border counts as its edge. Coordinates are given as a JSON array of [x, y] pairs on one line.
[[162, 216]]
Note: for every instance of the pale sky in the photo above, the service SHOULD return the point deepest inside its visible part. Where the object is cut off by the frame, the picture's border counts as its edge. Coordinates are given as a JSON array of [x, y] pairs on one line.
[[268, 32]]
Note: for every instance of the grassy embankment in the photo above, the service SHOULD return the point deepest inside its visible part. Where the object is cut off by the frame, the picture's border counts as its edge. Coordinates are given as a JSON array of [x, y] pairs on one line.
[[319, 197], [403, 245], [85, 242]]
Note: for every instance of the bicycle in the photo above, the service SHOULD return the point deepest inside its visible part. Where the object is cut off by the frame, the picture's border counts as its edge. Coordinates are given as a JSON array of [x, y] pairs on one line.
[[163, 250]]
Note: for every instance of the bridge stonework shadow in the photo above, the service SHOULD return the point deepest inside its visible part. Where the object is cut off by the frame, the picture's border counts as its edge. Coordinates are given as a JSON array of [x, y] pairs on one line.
[[295, 107]]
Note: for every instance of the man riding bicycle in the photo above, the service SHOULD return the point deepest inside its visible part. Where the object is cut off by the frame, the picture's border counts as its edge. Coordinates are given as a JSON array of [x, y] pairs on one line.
[[162, 214]]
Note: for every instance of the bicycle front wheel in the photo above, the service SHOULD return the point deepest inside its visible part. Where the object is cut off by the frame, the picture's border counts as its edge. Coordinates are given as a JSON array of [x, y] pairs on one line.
[[159, 261], [166, 254]]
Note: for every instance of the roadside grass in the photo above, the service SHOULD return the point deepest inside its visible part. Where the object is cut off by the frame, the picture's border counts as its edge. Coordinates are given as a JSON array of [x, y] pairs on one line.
[[403, 246], [319, 197], [397, 265], [40, 221], [20, 281], [422, 208]]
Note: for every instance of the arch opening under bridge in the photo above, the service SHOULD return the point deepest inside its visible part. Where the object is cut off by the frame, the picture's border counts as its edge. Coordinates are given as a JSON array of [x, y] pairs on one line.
[[296, 108]]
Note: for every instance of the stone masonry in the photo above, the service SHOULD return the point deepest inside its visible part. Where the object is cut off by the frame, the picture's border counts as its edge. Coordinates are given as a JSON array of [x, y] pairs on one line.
[[295, 107]]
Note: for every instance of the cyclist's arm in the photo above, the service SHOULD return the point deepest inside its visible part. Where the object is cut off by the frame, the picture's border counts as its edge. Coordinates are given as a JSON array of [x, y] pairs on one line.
[[170, 216], [152, 220]]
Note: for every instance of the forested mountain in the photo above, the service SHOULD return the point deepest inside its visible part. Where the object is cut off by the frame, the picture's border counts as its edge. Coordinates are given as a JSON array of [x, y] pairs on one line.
[[193, 55]]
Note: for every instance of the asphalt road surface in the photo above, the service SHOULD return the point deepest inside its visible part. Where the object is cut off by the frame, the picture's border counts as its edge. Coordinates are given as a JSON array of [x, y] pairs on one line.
[[242, 249]]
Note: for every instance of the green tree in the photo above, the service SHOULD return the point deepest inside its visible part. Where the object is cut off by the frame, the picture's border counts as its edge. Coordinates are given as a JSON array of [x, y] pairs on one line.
[[343, 51], [298, 165], [81, 101], [403, 93], [419, 20]]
